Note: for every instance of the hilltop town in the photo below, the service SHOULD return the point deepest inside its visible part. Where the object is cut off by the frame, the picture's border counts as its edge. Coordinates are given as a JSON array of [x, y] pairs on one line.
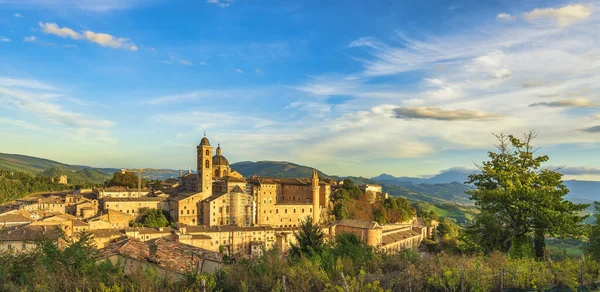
[[214, 212]]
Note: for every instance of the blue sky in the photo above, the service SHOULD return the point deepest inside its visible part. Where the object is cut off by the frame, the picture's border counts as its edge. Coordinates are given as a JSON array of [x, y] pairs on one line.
[[349, 87]]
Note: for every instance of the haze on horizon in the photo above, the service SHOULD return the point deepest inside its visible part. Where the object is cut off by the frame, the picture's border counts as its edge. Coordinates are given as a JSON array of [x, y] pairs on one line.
[[351, 88]]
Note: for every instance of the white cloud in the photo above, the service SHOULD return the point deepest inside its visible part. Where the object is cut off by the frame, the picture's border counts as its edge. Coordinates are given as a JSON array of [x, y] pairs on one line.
[[29, 39], [563, 16], [4, 39], [102, 39], [71, 46], [167, 62], [441, 114], [44, 105], [186, 62], [505, 16], [239, 70], [597, 116], [220, 3], [18, 15], [579, 102], [258, 71]]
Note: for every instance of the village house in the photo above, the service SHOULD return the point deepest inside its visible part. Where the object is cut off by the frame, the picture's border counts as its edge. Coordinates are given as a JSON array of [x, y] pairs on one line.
[[168, 258]]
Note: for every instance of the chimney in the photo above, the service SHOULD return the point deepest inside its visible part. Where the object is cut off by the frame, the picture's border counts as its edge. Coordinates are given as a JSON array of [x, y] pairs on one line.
[[152, 254]]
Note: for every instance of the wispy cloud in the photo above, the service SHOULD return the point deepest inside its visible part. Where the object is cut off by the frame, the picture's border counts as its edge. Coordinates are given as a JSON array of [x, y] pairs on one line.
[[29, 39], [4, 39], [564, 16], [186, 62], [17, 15], [505, 16], [441, 114], [580, 102], [103, 39], [220, 3], [239, 70], [594, 129], [17, 92], [581, 170]]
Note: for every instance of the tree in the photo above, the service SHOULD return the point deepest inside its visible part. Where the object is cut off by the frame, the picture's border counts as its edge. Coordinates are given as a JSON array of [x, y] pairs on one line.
[[126, 179], [518, 196], [153, 218], [593, 247], [352, 189], [340, 200], [309, 239]]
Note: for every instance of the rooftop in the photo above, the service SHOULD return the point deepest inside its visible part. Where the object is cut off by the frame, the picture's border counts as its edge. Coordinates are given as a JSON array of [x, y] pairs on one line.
[[29, 233], [171, 255]]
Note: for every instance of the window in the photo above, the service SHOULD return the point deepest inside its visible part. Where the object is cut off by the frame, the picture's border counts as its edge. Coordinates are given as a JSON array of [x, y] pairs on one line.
[[181, 212], [207, 163], [207, 152], [302, 210], [188, 211], [277, 211], [285, 210], [294, 210], [193, 211], [298, 198]]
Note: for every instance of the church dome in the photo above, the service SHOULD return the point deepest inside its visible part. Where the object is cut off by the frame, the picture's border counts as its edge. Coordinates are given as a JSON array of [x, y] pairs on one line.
[[204, 142], [219, 160]]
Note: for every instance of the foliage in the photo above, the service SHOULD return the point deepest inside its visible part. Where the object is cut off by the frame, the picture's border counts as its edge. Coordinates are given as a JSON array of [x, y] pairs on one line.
[[125, 179], [150, 217], [593, 248], [15, 185], [522, 199], [309, 239]]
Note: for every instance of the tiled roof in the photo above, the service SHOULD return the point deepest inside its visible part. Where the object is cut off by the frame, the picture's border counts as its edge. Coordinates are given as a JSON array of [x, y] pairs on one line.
[[226, 228], [183, 196], [357, 223], [140, 199], [29, 233], [79, 223], [149, 230], [399, 236], [104, 233], [14, 218], [171, 255], [234, 179]]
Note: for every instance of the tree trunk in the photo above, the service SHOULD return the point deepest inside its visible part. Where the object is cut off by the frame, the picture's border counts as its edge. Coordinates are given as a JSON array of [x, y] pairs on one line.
[[539, 243]]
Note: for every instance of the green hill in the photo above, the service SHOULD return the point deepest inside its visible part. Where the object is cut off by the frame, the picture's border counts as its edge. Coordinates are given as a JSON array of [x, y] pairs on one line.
[[279, 169], [34, 165]]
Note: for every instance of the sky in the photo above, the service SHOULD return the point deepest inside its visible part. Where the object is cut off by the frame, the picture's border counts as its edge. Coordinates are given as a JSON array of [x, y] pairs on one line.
[[408, 88]]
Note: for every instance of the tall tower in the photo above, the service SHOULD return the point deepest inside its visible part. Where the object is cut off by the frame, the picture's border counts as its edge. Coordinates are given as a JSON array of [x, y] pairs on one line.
[[315, 197], [204, 168]]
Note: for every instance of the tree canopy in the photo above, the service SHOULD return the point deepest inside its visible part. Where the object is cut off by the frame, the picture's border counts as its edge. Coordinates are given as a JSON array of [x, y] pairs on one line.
[[309, 239], [593, 247], [518, 198], [126, 179]]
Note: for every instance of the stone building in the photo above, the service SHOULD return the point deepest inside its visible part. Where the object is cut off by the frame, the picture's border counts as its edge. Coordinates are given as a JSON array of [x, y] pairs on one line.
[[168, 259], [235, 207], [133, 205], [24, 238]]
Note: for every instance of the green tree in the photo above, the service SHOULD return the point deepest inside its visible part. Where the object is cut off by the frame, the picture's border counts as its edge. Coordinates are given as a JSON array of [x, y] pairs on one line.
[[309, 239], [153, 218], [517, 195], [126, 179], [593, 248], [340, 200], [352, 189]]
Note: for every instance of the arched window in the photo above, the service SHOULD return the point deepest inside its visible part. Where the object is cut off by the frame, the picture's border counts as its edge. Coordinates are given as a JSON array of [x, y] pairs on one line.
[[225, 172], [216, 172], [207, 152], [207, 163]]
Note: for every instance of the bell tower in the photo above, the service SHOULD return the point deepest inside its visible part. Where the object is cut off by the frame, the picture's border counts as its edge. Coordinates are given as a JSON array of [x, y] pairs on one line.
[[315, 197], [204, 168]]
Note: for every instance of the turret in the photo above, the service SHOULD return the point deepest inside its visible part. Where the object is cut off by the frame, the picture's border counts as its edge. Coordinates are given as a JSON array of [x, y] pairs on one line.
[[315, 197]]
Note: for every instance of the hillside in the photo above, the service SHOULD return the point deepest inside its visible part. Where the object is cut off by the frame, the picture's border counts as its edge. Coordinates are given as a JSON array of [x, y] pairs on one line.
[[280, 169], [29, 164]]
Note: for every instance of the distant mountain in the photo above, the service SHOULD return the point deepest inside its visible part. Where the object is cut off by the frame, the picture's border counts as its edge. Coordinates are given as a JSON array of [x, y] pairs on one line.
[[281, 169], [76, 174], [583, 191], [459, 175]]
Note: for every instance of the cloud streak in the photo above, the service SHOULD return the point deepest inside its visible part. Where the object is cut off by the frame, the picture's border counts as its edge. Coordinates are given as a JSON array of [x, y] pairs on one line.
[[102, 39], [441, 114], [580, 102]]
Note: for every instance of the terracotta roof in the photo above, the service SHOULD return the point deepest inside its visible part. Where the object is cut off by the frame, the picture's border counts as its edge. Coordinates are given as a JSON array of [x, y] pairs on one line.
[[79, 223], [171, 255], [183, 196], [103, 233], [225, 228], [233, 179], [64, 217], [14, 218], [140, 199], [357, 223], [399, 236], [149, 230], [29, 233], [201, 236]]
